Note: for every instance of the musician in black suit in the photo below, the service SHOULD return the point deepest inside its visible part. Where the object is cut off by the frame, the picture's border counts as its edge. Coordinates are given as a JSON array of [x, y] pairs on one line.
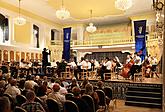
[[45, 59]]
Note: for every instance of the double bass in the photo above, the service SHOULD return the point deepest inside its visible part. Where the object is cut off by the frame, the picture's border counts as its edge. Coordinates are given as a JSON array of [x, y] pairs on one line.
[[126, 69]]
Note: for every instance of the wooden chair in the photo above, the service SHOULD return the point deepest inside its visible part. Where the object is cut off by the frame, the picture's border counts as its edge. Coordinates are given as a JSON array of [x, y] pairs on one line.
[[107, 75], [102, 99], [90, 102], [70, 106], [52, 105], [93, 73], [19, 109], [67, 73], [139, 74], [20, 99], [84, 72]]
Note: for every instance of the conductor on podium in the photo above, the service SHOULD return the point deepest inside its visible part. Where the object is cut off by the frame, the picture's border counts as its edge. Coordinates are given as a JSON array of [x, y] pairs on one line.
[[45, 63]]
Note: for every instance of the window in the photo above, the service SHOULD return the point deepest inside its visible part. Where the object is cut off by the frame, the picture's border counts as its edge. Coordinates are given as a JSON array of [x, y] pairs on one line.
[[36, 36], [4, 29]]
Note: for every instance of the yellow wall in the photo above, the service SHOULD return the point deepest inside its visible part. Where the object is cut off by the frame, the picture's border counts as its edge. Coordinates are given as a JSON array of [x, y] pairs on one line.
[[22, 34], [114, 31]]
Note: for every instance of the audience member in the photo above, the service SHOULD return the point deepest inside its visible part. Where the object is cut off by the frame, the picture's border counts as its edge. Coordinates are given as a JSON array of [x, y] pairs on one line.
[[13, 90], [57, 96], [82, 105], [30, 105], [5, 104], [89, 91]]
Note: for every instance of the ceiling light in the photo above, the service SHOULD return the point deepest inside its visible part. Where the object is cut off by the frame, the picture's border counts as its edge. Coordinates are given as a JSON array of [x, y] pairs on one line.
[[123, 4], [19, 20], [91, 28], [62, 13]]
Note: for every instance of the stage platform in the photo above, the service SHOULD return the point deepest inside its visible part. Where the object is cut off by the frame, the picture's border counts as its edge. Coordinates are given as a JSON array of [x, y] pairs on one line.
[[120, 86]]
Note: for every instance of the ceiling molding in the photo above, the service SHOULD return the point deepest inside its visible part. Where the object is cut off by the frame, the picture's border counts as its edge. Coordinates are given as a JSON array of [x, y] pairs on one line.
[[28, 14]]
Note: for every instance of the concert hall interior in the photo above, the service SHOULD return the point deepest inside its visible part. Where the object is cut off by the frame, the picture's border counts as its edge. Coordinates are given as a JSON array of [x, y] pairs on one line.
[[82, 56]]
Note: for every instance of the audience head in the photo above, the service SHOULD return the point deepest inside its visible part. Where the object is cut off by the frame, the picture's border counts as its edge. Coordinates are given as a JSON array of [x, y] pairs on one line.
[[74, 82], [56, 87], [28, 85], [13, 82], [76, 91], [5, 104], [30, 95], [37, 77], [52, 80], [84, 83], [88, 89], [2, 84], [45, 78], [100, 84]]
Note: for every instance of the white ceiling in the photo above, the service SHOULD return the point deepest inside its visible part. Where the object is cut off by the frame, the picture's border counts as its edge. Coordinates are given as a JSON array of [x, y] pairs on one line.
[[42, 8]]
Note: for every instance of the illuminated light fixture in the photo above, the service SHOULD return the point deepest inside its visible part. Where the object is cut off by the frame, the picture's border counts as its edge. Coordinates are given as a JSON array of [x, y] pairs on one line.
[[62, 13], [91, 28], [123, 4], [19, 20]]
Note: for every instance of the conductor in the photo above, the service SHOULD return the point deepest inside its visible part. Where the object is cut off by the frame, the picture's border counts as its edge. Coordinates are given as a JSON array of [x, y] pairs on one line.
[[45, 59]]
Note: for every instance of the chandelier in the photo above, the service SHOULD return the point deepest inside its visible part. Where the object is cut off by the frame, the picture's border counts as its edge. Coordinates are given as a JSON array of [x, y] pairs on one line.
[[91, 28], [62, 13], [123, 4], [19, 20]]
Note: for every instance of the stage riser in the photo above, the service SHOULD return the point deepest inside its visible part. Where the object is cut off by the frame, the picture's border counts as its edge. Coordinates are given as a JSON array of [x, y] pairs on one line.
[[144, 96], [148, 100], [120, 88], [143, 105], [158, 95], [146, 89]]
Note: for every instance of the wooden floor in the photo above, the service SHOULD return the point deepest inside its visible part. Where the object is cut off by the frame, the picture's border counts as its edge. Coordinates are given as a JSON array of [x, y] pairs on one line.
[[154, 80], [120, 107]]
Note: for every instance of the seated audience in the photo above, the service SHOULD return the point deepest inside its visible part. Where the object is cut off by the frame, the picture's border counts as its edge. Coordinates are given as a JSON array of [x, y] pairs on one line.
[[30, 105], [89, 91], [100, 85], [82, 105], [5, 104], [13, 90], [57, 96]]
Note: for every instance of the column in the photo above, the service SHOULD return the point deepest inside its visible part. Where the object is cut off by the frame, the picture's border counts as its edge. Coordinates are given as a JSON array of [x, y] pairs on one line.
[[163, 70]]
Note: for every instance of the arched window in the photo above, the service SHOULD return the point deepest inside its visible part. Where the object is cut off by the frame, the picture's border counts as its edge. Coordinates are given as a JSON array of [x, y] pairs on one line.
[[22, 55], [37, 56], [32, 55], [11, 55], [5, 55], [27, 56], [4, 29], [55, 35], [17, 56], [36, 36]]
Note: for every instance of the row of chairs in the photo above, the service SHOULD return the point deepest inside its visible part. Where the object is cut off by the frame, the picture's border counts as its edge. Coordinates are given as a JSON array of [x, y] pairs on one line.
[[84, 74]]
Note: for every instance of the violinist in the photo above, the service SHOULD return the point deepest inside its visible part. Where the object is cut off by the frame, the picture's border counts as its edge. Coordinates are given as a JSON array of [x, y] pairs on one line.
[[136, 66]]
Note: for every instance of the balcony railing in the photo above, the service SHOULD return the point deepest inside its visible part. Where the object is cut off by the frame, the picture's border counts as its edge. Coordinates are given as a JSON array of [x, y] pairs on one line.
[[103, 42]]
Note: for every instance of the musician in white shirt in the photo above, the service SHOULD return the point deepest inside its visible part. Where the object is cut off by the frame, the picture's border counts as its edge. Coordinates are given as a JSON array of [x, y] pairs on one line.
[[106, 68], [89, 66], [137, 65]]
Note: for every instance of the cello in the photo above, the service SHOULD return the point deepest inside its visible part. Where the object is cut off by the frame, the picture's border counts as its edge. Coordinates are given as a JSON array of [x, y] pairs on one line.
[[126, 69]]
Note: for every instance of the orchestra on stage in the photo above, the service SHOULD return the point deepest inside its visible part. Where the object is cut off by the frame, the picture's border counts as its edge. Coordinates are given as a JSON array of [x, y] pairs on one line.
[[91, 69]]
